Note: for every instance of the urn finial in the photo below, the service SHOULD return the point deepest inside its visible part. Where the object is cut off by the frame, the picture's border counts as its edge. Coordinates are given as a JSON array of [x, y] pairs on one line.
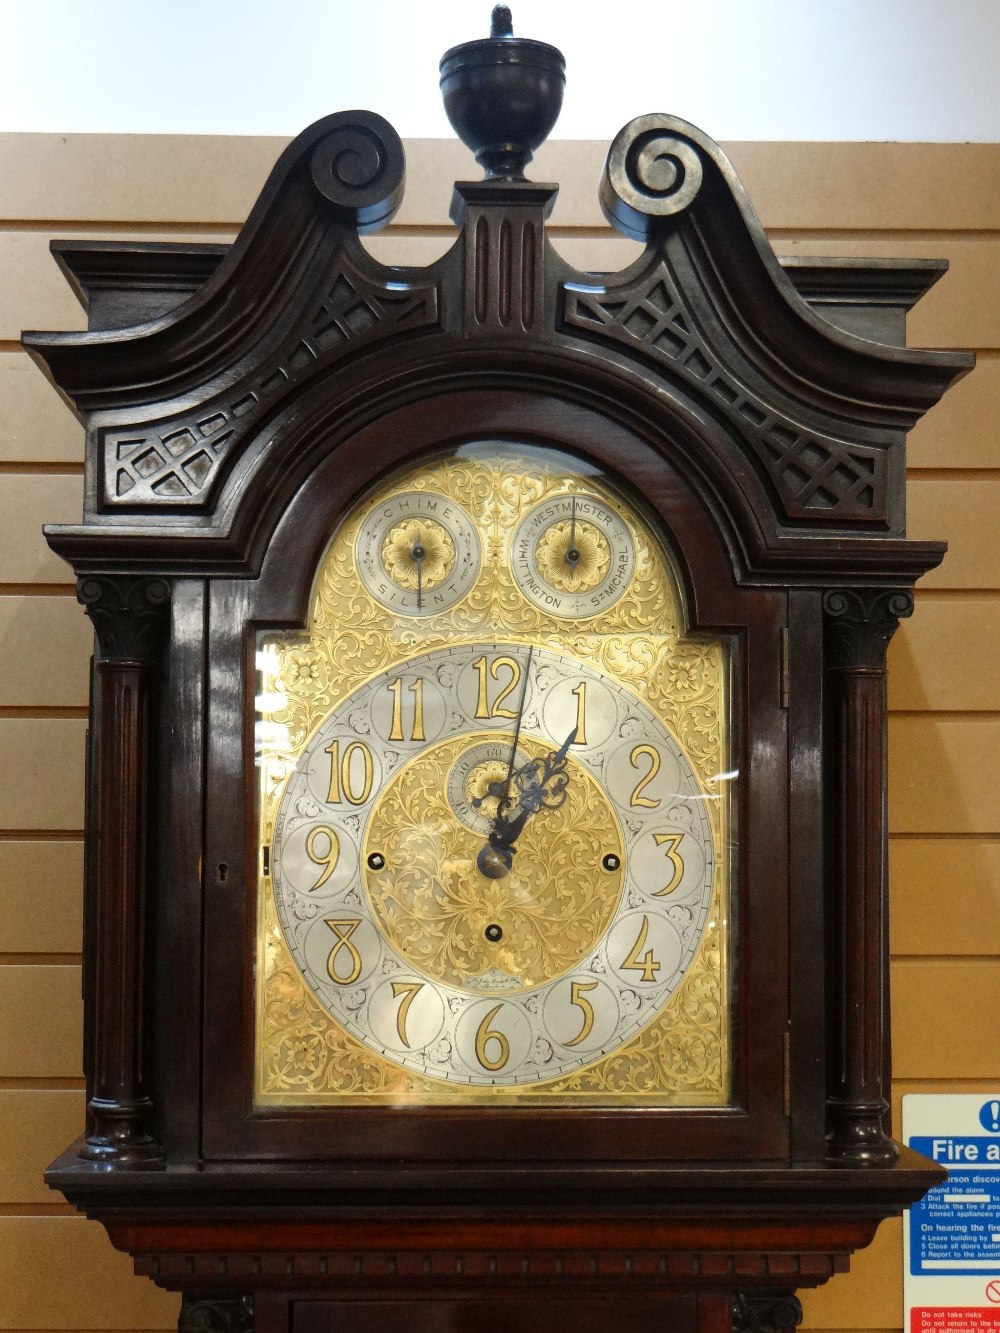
[[503, 95]]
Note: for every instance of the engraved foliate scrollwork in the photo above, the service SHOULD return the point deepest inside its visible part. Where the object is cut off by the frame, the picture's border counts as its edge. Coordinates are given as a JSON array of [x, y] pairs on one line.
[[418, 555], [434, 907], [573, 562], [373, 700], [573, 555]]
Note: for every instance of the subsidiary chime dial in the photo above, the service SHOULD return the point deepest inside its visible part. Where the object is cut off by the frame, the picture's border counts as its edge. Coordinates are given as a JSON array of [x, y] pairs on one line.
[[573, 555], [417, 553], [491, 830]]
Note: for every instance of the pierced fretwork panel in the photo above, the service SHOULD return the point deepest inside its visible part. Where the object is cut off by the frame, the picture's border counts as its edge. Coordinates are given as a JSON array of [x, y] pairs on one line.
[[812, 473], [174, 462]]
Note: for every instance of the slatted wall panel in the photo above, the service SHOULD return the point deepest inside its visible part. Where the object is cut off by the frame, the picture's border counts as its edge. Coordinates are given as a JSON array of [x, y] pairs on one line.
[[58, 1271]]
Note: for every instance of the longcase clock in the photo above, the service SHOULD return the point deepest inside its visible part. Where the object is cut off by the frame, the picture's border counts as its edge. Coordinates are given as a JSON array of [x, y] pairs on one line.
[[485, 890]]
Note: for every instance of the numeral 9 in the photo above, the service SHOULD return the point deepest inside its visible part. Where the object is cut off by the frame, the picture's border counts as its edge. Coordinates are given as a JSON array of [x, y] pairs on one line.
[[329, 858]]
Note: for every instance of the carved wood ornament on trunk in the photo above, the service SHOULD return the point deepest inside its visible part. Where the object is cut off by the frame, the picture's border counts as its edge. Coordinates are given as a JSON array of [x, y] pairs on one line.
[[707, 420]]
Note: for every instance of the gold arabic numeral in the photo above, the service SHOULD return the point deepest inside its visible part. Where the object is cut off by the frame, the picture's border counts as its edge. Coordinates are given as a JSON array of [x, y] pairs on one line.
[[487, 1034], [333, 795], [482, 702], [342, 777], [577, 996], [343, 931], [395, 688], [493, 668], [416, 688], [327, 859], [645, 752], [647, 965], [367, 773], [407, 990], [581, 713], [670, 842]]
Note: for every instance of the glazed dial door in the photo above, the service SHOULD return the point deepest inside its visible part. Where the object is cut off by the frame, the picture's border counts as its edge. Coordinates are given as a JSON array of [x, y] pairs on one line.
[[495, 806]]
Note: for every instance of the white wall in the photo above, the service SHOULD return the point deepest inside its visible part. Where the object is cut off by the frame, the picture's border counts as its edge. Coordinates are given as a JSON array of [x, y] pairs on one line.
[[742, 69]]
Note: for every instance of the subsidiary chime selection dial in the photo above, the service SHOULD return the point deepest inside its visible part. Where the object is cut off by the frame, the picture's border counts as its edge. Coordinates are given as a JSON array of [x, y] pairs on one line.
[[573, 555], [492, 863], [418, 553]]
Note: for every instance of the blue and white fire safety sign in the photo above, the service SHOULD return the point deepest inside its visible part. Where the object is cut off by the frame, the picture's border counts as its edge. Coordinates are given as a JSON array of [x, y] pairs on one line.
[[952, 1236]]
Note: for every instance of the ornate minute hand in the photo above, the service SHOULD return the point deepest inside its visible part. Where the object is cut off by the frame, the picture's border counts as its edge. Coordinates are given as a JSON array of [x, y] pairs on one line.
[[494, 860], [505, 799], [541, 785], [501, 790]]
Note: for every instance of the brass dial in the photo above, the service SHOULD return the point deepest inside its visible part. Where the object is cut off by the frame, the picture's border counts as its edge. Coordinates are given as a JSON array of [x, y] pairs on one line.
[[481, 764], [494, 862]]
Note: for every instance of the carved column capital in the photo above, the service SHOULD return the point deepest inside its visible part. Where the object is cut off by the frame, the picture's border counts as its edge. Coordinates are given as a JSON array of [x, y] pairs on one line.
[[766, 1313], [859, 622], [216, 1314], [128, 613]]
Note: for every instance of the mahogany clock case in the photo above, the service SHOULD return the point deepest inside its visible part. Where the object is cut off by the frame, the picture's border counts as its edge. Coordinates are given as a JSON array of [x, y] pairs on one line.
[[237, 404]]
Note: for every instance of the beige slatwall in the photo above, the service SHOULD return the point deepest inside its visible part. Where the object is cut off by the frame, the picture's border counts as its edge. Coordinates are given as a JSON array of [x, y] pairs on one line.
[[58, 1271]]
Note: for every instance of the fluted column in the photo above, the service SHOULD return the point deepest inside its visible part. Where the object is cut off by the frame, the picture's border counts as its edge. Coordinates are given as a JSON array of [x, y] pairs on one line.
[[859, 623], [129, 615]]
